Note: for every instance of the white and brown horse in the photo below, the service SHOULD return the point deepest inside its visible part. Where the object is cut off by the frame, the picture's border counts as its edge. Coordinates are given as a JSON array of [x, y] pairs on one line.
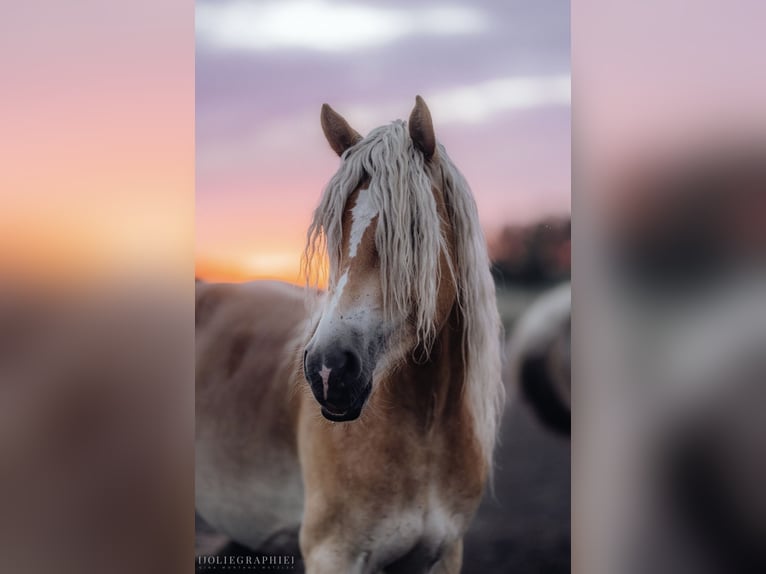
[[369, 422]]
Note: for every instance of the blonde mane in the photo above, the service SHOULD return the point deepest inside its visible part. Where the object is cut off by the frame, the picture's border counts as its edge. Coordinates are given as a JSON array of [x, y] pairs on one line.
[[409, 241]]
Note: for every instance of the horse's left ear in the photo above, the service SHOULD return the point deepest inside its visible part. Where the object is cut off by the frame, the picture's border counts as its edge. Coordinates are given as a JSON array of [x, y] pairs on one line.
[[422, 128]]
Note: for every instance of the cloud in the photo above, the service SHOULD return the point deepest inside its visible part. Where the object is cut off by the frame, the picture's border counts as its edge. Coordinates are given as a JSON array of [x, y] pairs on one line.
[[324, 26], [471, 104], [476, 103]]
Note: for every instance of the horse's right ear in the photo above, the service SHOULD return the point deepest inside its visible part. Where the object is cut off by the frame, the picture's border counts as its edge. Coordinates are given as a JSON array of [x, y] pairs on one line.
[[339, 134], [422, 129]]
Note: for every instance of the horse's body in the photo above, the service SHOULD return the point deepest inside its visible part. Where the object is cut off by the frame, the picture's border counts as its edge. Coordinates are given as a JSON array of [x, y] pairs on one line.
[[255, 430], [393, 483], [248, 479]]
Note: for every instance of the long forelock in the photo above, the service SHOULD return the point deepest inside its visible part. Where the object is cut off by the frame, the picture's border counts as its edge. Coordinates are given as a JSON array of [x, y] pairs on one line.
[[408, 236], [410, 241]]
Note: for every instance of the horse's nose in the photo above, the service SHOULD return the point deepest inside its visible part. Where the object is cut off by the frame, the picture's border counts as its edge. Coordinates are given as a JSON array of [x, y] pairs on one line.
[[332, 372], [344, 361], [337, 365]]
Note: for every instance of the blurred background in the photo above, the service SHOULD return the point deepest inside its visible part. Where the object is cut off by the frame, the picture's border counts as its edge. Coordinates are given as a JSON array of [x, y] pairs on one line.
[[496, 77], [670, 298], [96, 182], [96, 300]]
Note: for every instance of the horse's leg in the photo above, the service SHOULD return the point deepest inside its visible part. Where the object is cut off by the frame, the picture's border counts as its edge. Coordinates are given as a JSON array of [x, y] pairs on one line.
[[329, 557], [417, 563], [327, 549], [451, 560]]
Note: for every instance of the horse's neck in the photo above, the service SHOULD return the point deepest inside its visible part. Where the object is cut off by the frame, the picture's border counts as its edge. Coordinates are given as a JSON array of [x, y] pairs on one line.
[[428, 402], [431, 393]]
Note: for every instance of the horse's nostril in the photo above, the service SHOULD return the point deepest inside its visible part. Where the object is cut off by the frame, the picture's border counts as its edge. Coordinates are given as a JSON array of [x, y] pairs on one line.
[[352, 363], [344, 362]]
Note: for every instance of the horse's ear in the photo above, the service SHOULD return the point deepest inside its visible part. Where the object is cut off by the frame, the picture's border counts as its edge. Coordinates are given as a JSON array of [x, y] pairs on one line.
[[422, 128], [339, 134]]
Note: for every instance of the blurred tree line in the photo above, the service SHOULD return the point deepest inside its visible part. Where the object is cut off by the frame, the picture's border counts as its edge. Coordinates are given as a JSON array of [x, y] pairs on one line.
[[535, 255]]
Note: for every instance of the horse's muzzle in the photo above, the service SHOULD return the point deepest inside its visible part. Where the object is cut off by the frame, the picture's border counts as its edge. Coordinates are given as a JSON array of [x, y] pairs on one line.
[[338, 381]]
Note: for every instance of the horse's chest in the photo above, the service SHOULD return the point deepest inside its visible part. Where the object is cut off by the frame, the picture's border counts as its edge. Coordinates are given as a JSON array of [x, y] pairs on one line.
[[419, 532]]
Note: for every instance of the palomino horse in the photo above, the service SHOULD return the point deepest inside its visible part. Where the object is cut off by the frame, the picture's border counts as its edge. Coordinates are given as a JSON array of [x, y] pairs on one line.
[[369, 423]]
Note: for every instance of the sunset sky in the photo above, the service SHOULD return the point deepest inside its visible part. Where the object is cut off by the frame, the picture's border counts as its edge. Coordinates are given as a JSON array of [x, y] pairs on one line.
[[96, 138], [495, 74]]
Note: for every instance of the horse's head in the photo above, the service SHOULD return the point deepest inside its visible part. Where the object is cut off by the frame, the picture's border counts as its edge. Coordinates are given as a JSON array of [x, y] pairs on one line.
[[385, 225]]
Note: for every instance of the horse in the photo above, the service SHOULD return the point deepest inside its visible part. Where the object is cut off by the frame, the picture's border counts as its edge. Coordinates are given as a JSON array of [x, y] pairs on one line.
[[366, 418], [539, 364]]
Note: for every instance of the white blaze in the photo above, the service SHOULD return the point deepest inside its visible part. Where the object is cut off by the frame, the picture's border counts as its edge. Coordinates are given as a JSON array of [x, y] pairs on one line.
[[357, 312], [325, 374], [361, 216], [328, 322]]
